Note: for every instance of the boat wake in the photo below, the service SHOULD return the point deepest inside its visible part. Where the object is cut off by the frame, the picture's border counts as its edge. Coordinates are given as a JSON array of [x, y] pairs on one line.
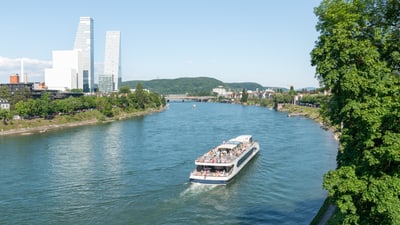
[[195, 189]]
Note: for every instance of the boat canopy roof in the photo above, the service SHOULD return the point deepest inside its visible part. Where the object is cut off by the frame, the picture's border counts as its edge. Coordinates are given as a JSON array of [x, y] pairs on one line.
[[243, 138], [235, 142], [228, 146]]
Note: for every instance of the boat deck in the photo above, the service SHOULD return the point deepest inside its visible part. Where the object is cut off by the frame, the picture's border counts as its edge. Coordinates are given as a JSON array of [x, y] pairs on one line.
[[224, 153], [220, 164]]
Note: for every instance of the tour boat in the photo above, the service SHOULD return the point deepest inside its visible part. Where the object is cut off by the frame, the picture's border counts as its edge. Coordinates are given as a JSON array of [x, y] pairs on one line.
[[222, 163]]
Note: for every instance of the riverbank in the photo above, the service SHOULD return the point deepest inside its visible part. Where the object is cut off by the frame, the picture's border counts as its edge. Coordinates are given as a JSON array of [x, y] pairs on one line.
[[311, 113], [327, 210], [28, 127]]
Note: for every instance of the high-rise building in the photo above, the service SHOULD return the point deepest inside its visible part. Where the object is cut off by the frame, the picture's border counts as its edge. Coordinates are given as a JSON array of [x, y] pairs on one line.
[[64, 75], [112, 59], [84, 42], [106, 83]]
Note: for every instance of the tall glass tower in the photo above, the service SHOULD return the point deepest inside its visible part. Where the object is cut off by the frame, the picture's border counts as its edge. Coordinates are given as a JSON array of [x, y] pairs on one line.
[[84, 42], [112, 60]]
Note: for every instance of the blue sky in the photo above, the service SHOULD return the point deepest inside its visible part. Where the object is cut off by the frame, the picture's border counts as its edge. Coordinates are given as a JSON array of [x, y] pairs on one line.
[[263, 41]]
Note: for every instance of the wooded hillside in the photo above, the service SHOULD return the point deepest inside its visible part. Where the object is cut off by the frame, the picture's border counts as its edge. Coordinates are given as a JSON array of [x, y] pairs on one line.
[[192, 86]]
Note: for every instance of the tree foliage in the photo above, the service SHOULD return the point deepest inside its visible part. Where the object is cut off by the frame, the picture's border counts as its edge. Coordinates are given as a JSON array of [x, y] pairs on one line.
[[194, 86], [141, 97], [5, 115], [292, 93], [245, 85], [245, 96], [125, 90], [282, 98], [108, 105], [199, 86], [314, 99], [357, 59], [14, 97]]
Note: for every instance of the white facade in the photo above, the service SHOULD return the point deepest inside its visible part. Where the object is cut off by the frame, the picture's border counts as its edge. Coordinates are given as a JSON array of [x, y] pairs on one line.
[[112, 59], [4, 104], [84, 42], [220, 90], [65, 72]]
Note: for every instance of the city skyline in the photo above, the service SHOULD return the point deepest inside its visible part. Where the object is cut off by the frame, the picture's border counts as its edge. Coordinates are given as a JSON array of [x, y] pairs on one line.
[[74, 69], [267, 42]]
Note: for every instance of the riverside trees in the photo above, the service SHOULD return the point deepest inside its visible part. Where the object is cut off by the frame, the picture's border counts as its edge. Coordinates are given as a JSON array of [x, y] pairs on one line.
[[108, 105], [357, 58]]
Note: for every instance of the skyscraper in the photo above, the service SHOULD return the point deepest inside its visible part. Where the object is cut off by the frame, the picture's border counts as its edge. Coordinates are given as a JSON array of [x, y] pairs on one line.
[[84, 42], [112, 59]]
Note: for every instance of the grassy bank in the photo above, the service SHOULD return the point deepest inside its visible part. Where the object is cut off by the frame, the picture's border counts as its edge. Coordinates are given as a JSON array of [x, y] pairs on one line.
[[79, 119], [297, 110]]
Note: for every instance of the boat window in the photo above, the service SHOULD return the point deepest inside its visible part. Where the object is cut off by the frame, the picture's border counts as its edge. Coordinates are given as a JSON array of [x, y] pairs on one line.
[[245, 157]]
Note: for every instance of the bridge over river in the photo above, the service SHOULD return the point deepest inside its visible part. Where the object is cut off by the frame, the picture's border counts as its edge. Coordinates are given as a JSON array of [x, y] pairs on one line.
[[184, 98]]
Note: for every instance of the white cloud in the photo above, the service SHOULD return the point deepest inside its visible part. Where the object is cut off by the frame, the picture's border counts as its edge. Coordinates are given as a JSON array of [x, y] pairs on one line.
[[34, 68]]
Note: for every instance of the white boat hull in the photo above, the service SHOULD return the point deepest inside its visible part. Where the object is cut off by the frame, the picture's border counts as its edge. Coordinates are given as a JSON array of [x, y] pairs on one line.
[[223, 178]]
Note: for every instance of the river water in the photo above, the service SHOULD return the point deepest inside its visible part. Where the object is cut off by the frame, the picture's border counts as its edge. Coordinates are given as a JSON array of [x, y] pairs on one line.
[[136, 171]]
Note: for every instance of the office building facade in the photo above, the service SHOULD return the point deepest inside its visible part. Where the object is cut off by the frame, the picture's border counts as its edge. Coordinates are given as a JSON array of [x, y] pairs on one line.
[[106, 83], [112, 59], [84, 42], [64, 75]]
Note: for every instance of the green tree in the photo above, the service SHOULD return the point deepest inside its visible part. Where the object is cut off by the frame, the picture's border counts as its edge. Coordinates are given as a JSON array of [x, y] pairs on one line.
[[5, 93], [5, 115], [315, 99], [245, 96], [88, 102], [282, 98], [63, 106], [357, 59], [292, 93], [104, 105], [20, 95], [140, 96], [45, 105], [14, 97], [76, 90], [155, 100], [22, 109], [28, 108], [125, 90]]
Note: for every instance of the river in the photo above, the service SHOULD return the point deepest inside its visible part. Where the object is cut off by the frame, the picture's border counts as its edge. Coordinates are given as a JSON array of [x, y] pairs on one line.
[[136, 171]]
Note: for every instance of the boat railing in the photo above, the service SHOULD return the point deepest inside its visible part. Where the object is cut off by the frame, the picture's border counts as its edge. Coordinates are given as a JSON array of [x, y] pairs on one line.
[[217, 157], [208, 173]]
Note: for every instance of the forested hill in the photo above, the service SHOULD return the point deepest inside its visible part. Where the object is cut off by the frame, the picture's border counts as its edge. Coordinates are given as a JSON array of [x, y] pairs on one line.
[[192, 86], [245, 85]]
